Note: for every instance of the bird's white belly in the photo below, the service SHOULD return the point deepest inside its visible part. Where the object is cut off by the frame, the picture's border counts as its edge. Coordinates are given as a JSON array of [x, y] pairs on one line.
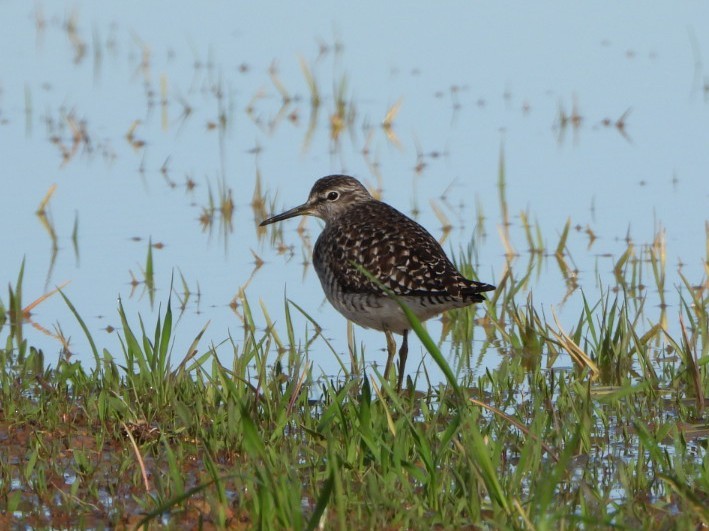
[[382, 313]]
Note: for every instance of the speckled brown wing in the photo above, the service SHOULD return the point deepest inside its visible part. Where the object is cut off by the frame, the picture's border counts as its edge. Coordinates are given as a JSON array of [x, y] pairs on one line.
[[396, 250]]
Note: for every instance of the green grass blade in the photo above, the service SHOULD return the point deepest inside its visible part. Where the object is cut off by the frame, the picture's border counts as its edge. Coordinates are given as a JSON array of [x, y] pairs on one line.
[[83, 326]]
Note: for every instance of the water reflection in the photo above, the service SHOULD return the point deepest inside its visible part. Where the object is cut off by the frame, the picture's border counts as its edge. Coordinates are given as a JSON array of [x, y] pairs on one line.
[[218, 144]]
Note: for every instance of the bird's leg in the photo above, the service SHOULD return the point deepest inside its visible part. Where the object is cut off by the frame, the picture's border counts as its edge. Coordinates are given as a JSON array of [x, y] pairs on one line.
[[403, 353], [391, 352]]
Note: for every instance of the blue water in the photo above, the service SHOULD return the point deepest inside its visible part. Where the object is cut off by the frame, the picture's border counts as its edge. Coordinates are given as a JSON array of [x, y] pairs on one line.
[[472, 80]]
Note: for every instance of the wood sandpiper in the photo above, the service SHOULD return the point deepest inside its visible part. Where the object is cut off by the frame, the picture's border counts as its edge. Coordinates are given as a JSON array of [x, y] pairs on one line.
[[364, 233]]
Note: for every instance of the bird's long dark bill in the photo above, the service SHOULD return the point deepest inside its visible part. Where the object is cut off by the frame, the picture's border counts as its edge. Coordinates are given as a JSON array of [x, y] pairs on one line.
[[293, 212]]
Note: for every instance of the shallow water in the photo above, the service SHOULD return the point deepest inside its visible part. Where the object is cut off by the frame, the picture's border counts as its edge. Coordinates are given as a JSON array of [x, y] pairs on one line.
[[138, 118]]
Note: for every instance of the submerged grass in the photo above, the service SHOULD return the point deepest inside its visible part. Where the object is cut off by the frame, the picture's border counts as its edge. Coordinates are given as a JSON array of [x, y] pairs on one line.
[[601, 423], [619, 439]]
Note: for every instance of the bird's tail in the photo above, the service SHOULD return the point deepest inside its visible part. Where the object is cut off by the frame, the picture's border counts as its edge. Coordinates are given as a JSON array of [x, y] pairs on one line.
[[476, 289]]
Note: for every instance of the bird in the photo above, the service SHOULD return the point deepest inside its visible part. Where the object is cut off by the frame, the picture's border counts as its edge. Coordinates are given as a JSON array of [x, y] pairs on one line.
[[369, 253]]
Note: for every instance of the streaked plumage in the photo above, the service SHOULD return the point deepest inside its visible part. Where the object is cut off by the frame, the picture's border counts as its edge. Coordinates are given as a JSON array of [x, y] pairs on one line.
[[394, 249]]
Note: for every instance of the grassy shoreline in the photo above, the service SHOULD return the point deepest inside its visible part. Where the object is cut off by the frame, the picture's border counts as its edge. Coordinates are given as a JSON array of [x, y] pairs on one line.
[[619, 439]]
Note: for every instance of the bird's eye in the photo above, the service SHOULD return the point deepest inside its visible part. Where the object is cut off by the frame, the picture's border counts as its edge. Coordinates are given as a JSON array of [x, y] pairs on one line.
[[333, 196]]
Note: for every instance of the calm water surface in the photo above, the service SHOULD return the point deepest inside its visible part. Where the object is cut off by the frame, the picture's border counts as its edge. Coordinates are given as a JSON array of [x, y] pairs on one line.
[[141, 115]]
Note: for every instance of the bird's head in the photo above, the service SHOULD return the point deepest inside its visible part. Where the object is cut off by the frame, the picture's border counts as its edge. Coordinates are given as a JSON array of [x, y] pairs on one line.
[[328, 199]]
